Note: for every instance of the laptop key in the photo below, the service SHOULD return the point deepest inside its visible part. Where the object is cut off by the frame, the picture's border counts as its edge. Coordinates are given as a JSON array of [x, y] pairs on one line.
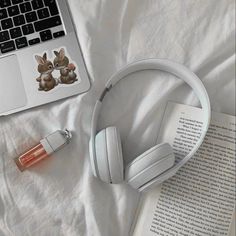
[[3, 14], [7, 46], [25, 7], [19, 20], [14, 2], [4, 36], [21, 42], [34, 41], [37, 4], [43, 13], [59, 34], [47, 23], [15, 33], [5, 3], [31, 17], [52, 7], [7, 23], [13, 11], [46, 35], [28, 29]]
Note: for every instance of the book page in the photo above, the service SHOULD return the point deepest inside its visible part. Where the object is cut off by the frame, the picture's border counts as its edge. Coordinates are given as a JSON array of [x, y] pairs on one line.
[[200, 199]]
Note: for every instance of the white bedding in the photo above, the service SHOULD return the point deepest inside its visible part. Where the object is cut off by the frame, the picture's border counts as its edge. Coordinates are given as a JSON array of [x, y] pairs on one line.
[[60, 196]]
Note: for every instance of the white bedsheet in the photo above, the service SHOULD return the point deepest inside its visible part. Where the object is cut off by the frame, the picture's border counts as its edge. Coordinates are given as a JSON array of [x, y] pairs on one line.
[[60, 196]]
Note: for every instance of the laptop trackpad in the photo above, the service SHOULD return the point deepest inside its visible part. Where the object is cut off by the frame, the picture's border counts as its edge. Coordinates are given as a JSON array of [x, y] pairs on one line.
[[12, 92]]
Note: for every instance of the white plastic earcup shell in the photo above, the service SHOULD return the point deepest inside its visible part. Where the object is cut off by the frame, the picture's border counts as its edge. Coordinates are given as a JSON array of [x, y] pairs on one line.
[[109, 155], [149, 165]]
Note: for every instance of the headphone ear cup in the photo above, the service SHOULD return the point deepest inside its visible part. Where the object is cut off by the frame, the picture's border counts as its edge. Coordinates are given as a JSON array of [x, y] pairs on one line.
[[149, 165], [109, 155], [93, 160]]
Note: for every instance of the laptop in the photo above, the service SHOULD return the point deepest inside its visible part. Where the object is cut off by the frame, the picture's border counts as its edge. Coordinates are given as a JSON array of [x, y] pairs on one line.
[[40, 56]]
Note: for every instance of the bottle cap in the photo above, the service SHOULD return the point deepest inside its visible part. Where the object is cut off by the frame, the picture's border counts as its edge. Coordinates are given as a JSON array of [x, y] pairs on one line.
[[55, 141]]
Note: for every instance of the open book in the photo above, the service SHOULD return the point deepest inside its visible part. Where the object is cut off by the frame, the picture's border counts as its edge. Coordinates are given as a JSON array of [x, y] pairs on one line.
[[200, 199]]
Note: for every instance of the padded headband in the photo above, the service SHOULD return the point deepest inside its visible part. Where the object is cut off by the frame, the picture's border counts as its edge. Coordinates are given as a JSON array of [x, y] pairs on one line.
[[168, 66]]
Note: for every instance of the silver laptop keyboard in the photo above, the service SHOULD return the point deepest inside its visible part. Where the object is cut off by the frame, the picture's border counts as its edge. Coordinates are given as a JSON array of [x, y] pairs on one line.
[[28, 22]]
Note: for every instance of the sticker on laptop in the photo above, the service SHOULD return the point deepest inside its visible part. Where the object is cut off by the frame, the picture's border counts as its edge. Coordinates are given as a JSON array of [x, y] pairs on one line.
[[56, 72]]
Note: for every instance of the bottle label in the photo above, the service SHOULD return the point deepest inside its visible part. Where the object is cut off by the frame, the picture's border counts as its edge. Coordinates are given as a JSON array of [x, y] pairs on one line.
[[32, 156]]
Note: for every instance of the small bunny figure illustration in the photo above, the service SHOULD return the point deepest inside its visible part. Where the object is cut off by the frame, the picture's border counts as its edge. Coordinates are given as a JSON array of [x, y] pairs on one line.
[[67, 71], [45, 68]]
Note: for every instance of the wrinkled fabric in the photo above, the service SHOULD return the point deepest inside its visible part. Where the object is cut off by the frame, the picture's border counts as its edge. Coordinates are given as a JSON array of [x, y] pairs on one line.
[[60, 196]]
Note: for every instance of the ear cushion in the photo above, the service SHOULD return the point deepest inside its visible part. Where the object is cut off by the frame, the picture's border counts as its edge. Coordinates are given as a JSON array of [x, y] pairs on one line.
[[92, 158], [149, 165], [109, 155]]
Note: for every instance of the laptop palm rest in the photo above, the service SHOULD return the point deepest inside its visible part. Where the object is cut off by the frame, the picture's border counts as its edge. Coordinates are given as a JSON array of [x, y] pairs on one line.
[[12, 92]]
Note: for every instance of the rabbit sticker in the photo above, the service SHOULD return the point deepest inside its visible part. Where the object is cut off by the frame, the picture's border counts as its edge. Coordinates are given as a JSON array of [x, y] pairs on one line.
[[45, 68], [67, 69], [54, 72]]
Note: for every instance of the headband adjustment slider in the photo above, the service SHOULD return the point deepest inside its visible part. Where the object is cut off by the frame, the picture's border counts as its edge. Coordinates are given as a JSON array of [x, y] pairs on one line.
[[105, 91]]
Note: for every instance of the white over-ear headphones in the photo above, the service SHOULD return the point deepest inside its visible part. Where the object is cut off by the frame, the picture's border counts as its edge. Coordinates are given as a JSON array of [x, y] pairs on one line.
[[156, 164]]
